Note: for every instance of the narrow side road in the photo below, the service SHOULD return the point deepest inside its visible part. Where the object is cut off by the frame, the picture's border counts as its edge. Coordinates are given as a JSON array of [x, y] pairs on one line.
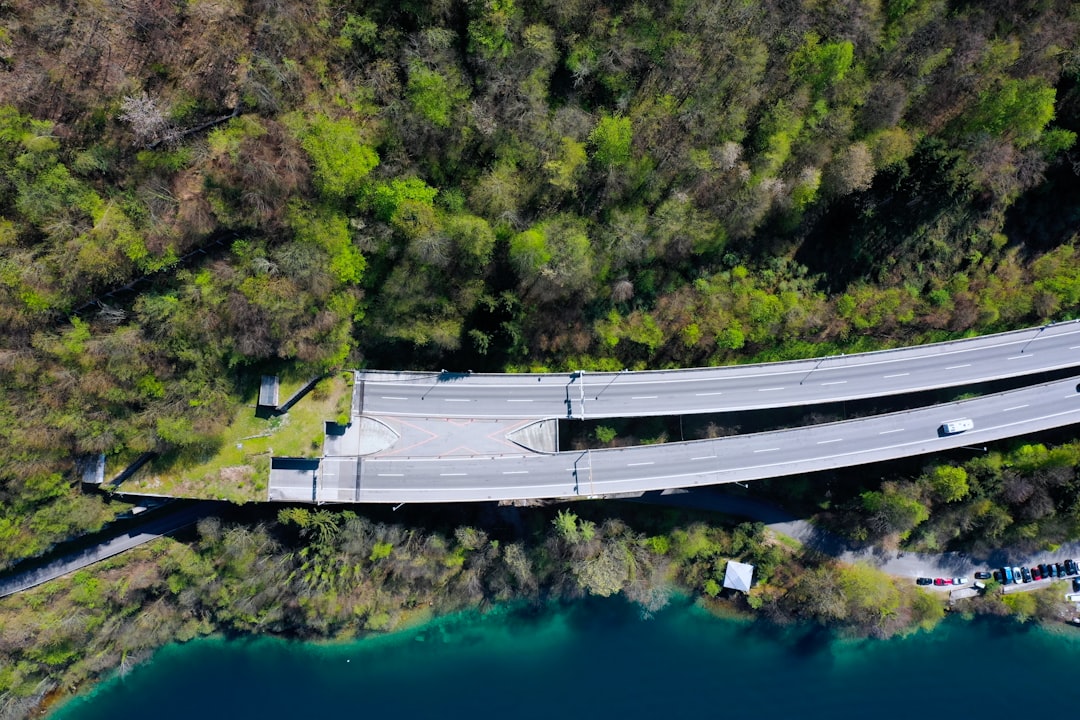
[[902, 564], [164, 521]]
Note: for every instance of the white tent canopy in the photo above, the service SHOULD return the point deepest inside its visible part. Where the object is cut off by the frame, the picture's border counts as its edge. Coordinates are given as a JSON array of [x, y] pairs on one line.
[[738, 576]]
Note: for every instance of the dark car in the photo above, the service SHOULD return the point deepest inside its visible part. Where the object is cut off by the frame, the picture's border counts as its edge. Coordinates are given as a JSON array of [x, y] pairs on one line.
[[983, 575], [998, 577], [925, 581], [1055, 570], [1076, 584], [1043, 570], [1070, 566], [1026, 574]]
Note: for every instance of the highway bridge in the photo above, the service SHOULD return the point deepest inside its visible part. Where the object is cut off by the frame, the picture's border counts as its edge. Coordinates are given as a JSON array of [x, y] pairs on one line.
[[588, 395], [447, 437]]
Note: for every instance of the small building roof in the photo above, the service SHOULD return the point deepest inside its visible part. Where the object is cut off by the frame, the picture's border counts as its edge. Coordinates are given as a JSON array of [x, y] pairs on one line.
[[268, 391], [738, 576], [94, 469]]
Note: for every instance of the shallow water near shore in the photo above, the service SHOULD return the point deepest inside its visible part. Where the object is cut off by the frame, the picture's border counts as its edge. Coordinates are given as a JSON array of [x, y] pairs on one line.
[[594, 658]]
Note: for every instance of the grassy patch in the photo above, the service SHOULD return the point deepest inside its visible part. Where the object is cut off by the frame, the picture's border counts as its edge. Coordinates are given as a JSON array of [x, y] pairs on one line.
[[235, 465]]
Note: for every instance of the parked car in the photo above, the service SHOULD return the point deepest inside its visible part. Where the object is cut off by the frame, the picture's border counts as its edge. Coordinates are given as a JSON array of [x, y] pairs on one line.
[[1076, 584], [942, 581], [1043, 570], [960, 581], [983, 575], [1036, 574], [998, 576], [1055, 572], [925, 581], [1018, 576], [1070, 564], [1026, 574], [1007, 573]]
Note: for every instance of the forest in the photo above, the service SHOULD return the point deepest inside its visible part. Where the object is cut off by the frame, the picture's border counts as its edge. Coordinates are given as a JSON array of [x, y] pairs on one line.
[[196, 192]]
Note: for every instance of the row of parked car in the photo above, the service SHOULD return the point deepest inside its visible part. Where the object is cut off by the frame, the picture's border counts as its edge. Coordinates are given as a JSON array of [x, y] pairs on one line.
[[1043, 571], [942, 581], [1007, 575]]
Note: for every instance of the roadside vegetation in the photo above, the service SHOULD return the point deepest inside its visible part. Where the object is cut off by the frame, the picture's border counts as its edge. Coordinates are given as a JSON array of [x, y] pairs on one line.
[[235, 463], [338, 574]]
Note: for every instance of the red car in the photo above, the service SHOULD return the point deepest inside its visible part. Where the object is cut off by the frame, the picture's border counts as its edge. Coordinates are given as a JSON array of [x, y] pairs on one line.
[[943, 581]]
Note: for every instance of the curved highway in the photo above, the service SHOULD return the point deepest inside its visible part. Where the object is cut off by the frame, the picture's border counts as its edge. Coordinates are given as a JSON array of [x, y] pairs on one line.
[[723, 460], [586, 395]]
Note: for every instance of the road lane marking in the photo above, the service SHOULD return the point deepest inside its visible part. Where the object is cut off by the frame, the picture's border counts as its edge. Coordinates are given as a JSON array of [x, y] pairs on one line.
[[890, 432], [769, 389], [707, 394], [643, 397], [392, 397], [704, 457], [957, 367], [836, 382], [391, 474], [452, 474], [457, 399], [896, 375], [767, 450], [518, 400], [1015, 407], [1020, 357], [826, 442], [515, 472], [640, 463]]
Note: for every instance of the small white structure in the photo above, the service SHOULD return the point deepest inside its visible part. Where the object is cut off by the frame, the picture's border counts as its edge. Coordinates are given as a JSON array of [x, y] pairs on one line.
[[738, 576]]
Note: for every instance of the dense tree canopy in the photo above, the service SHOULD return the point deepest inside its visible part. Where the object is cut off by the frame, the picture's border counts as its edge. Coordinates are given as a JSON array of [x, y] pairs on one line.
[[500, 184]]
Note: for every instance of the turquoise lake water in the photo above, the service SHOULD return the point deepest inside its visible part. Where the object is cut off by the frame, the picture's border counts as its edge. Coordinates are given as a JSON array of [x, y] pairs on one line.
[[595, 659]]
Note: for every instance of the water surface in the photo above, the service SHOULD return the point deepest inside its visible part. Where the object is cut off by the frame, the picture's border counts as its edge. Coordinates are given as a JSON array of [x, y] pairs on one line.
[[591, 659]]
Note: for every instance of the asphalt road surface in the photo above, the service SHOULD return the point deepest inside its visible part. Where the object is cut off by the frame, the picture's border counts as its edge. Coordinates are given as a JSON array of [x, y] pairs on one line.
[[722, 460], [722, 389], [164, 521]]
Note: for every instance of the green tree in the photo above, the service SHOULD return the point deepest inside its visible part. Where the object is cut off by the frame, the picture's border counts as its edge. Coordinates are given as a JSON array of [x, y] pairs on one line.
[[433, 94], [949, 482], [339, 157], [822, 65], [1015, 109], [892, 510], [611, 140], [566, 525]]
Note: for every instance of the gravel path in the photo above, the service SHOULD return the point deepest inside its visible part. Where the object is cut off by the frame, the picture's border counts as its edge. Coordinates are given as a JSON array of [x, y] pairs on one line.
[[903, 564]]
